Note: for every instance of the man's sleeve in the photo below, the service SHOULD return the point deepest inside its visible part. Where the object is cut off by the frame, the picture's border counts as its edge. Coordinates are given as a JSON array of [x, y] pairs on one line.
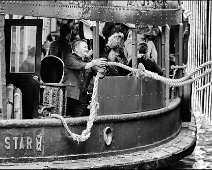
[[72, 63]]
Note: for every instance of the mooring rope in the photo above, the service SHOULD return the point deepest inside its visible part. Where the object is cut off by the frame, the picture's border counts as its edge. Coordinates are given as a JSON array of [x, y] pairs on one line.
[[173, 82], [94, 105]]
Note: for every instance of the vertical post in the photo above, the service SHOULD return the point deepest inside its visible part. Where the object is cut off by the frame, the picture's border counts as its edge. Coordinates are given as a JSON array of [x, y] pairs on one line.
[[94, 42], [134, 47], [165, 50], [3, 112], [97, 39], [159, 42], [176, 41], [180, 53], [17, 48]]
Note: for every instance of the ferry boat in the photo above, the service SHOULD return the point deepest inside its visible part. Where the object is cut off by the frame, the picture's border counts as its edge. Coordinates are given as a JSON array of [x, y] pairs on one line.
[[134, 122]]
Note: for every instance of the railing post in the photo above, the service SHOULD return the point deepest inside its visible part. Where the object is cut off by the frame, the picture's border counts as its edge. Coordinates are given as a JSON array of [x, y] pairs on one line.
[[165, 53], [159, 42], [3, 112], [180, 53], [97, 39], [94, 42], [134, 47]]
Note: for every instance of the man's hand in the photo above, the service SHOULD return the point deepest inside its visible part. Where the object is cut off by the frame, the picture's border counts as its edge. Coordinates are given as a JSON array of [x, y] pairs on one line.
[[101, 62]]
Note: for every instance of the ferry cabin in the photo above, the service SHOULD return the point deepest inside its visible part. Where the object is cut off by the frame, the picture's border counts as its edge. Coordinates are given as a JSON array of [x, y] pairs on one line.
[[29, 29]]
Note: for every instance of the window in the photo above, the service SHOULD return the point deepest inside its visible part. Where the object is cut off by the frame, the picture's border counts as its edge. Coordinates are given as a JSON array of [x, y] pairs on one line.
[[23, 48]]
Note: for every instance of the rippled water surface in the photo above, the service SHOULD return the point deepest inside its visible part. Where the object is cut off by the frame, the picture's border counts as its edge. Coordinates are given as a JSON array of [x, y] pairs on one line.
[[201, 158]]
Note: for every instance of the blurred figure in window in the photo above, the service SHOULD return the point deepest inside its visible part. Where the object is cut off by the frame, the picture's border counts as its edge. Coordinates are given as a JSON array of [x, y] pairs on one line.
[[28, 65]]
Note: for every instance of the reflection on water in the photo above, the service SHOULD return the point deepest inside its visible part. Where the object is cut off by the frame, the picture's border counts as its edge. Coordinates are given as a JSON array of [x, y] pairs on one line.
[[201, 158]]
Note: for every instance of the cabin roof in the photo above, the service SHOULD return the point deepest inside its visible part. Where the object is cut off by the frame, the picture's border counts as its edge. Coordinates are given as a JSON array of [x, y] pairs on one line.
[[133, 12]]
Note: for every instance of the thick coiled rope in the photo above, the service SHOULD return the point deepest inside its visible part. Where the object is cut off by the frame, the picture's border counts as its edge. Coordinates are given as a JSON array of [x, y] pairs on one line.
[[172, 82], [94, 105]]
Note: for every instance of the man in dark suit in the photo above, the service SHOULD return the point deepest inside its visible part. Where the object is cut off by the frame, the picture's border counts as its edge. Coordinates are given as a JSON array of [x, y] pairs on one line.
[[79, 69]]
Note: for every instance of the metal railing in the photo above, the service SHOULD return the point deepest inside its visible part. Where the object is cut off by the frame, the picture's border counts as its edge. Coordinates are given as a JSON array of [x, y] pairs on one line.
[[199, 51]]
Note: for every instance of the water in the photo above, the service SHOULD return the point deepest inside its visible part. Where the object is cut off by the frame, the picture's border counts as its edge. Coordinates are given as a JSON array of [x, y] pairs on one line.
[[201, 158]]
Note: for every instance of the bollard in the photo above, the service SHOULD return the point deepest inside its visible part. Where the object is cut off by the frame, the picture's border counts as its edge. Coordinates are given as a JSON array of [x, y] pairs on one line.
[[9, 100], [18, 104]]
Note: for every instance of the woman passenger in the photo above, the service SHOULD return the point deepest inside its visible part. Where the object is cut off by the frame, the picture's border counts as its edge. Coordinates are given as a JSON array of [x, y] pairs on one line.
[[148, 63], [116, 54], [147, 33]]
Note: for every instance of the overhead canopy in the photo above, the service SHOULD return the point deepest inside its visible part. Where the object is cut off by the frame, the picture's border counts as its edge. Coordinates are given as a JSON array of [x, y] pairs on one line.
[[141, 12], [87, 24]]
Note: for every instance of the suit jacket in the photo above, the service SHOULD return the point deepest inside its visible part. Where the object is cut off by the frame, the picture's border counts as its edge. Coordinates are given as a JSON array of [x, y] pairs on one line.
[[76, 77]]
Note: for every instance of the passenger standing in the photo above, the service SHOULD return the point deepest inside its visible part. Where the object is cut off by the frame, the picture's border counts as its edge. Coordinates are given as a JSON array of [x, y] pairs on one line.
[[46, 44], [56, 47], [29, 63], [78, 71], [149, 64], [145, 33], [152, 52], [128, 45], [116, 54], [108, 30]]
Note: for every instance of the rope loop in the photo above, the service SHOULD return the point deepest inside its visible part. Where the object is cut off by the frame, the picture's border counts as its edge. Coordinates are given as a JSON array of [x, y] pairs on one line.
[[94, 106]]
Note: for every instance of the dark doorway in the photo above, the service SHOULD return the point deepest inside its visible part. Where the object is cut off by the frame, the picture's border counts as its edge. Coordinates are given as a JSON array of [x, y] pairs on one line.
[[23, 39]]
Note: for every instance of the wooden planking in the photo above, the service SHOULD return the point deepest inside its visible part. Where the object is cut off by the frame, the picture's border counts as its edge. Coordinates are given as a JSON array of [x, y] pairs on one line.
[[199, 51]]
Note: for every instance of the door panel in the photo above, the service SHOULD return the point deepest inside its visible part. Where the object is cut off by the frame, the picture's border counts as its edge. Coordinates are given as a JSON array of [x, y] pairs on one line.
[[23, 56]]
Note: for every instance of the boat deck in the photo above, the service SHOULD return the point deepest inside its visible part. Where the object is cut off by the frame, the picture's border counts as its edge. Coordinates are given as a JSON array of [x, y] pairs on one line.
[[162, 155]]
